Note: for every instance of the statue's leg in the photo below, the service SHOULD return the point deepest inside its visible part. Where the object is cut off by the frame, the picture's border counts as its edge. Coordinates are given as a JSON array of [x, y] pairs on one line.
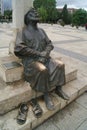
[[38, 76], [57, 76], [48, 101], [59, 90]]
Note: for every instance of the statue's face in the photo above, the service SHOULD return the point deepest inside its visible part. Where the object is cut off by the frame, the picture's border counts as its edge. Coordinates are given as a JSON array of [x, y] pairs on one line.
[[33, 16]]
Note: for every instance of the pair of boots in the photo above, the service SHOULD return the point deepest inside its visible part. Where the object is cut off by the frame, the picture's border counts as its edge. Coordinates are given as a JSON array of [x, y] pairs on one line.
[[48, 100]]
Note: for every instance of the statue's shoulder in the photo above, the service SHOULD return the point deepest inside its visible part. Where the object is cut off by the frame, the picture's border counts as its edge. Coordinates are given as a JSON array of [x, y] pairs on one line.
[[41, 30]]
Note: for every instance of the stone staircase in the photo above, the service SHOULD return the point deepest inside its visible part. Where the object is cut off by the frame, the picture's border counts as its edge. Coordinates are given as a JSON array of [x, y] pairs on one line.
[[13, 93]]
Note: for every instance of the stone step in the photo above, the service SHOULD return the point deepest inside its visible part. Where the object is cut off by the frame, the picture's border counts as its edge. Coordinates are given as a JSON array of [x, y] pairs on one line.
[[73, 89], [11, 70], [15, 93]]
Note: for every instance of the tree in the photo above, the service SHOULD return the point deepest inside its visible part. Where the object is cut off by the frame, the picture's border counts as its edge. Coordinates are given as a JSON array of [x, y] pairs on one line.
[[45, 3], [65, 15], [8, 14], [52, 15], [38, 3], [43, 13], [46, 6], [79, 17]]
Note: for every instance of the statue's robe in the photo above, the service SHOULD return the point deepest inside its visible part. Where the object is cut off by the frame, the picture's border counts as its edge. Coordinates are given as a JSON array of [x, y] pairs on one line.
[[41, 76]]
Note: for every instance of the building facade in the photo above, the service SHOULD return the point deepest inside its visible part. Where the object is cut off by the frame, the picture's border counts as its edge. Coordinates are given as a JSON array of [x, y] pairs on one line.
[[1, 7], [70, 10]]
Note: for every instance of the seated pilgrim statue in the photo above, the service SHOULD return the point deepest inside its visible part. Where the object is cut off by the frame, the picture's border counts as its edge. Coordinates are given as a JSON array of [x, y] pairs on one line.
[[40, 70]]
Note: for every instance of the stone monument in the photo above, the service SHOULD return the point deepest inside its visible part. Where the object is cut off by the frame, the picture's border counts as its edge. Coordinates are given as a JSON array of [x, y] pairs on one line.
[[40, 70], [14, 90]]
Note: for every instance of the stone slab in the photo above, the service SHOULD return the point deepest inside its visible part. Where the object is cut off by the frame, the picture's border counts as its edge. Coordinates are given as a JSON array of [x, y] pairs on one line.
[[83, 126], [63, 102], [8, 58], [10, 74], [8, 121], [12, 95], [15, 74], [80, 88], [73, 89]]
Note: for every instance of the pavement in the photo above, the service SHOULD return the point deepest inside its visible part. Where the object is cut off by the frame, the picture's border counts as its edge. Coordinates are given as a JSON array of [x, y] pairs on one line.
[[71, 44], [72, 117]]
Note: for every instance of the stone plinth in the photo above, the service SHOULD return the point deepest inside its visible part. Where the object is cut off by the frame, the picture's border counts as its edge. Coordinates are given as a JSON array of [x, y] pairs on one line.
[[15, 73], [72, 89], [15, 93]]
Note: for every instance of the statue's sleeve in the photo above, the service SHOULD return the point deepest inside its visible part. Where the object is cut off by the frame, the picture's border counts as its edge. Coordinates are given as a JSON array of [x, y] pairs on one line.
[[49, 46], [21, 49]]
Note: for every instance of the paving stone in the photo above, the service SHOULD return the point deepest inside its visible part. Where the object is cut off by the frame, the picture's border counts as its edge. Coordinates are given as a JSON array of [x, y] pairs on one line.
[[83, 126], [48, 125], [82, 100], [71, 117]]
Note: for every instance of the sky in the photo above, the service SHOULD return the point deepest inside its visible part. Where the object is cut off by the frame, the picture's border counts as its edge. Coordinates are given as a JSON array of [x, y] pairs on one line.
[[7, 4], [60, 3], [72, 3]]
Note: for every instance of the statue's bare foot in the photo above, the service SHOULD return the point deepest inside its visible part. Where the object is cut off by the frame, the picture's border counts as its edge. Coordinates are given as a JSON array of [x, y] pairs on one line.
[[60, 93], [48, 101]]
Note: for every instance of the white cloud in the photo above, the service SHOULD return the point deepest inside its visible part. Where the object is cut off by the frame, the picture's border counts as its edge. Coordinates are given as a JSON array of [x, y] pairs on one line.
[[72, 3]]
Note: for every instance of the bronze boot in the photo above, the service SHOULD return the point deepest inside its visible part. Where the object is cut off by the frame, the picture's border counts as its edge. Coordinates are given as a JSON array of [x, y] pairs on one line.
[[60, 93]]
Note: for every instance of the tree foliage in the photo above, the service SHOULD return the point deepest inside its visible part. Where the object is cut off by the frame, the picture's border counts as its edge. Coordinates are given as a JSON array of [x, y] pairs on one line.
[[7, 17], [8, 14], [43, 13], [79, 17], [45, 3], [65, 15], [46, 7]]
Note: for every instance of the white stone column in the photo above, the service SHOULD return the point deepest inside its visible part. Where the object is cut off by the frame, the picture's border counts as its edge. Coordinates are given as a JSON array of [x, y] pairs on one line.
[[20, 8]]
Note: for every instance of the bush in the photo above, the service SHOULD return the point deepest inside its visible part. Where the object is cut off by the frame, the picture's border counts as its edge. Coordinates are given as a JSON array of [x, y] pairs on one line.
[[61, 22]]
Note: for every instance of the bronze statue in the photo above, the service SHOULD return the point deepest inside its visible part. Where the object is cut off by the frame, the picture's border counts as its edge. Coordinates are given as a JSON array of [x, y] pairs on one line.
[[40, 70]]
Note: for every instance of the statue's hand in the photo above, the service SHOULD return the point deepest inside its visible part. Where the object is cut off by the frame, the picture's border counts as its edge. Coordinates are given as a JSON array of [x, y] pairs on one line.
[[44, 54], [42, 60]]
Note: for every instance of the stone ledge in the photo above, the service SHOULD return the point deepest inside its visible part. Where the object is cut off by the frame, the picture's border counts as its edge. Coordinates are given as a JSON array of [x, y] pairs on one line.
[[8, 121], [12, 95], [16, 73]]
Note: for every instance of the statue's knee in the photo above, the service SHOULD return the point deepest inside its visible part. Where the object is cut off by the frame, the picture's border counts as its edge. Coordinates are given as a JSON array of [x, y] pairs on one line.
[[41, 67], [61, 64]]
